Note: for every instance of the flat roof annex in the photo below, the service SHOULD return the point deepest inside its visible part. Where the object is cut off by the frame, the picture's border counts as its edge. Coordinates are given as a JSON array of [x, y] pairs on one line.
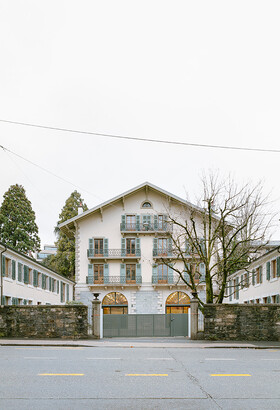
[[68, 226]]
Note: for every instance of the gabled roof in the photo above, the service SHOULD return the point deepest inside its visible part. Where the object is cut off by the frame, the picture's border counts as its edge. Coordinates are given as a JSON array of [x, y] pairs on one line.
[[69, 225]]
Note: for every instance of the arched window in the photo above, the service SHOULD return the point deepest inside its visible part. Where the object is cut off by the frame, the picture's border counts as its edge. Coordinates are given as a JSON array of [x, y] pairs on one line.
[[114, 303], [146, 204], [177, 302]]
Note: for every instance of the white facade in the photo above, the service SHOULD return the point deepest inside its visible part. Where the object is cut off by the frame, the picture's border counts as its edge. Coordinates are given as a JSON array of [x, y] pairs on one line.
[[27, 282], [259, 283], [118, 247]]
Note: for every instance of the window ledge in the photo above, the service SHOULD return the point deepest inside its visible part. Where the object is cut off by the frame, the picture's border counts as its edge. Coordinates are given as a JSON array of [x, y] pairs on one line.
[[8, 279]]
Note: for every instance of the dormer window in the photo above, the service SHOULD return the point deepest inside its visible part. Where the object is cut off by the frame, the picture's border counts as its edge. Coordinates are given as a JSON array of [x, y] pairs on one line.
[[146, 204]]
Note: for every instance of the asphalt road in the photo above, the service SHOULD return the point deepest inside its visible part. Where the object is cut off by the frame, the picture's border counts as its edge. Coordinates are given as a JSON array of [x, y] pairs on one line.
[[127, 378]]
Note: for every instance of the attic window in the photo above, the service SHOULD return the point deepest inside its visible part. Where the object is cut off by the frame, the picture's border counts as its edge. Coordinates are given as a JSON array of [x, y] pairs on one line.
[[146, 204]]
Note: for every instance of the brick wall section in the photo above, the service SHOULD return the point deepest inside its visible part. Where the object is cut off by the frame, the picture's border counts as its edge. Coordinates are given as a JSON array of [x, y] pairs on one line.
[[68, 322], [242, 322]]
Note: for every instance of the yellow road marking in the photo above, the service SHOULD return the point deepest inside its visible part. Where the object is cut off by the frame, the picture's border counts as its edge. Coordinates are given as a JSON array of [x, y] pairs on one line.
[[61, 374], [142, 374], [230, 375]]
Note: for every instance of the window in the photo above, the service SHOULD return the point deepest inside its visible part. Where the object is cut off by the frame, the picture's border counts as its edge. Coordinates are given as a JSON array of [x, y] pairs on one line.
[[236, 288], [177, 302], [114, 303], [162, 273], [258, 275], [146, 204], [98, 272], [98, 247], [130, 246], [130, 222], [273, 269], [246, 280], [162, 222], [130, 272], [29, 276], [162, 247]]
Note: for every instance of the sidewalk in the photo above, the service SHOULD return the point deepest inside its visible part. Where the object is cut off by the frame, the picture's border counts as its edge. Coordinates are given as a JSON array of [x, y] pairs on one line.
[[181, 343]]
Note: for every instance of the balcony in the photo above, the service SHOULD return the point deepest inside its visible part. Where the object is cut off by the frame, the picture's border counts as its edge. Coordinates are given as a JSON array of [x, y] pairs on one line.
[[170, 281], [113, 281], [164, 253], [113, 254], [146, 227]]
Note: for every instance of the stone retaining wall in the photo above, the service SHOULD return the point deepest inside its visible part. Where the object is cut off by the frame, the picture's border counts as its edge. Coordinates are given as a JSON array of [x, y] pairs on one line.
[[242, 322], [44, 321]]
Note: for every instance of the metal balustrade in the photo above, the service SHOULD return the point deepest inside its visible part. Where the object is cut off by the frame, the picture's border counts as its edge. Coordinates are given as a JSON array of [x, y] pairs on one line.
[[113, 253], [146, 227], [113, 280], [168, 280]]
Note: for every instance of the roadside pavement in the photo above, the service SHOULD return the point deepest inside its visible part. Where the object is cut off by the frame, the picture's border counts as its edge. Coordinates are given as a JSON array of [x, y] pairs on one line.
[[156, 342]]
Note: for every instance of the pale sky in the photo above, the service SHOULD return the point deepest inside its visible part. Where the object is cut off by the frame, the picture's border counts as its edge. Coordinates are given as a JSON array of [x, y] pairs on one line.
[[194, 71]]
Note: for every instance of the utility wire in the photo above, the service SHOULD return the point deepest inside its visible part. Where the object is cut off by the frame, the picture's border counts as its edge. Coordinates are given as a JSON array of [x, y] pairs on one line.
[[99, 134], [48, 171]]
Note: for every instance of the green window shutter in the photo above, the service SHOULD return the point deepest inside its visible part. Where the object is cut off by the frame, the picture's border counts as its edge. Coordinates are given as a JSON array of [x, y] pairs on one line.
[[90, 273], [123, 250], [170, 274], [137, 222], [155, 274], [43, 281], [122, 273], [278, 266], [25, 272], [188, 247], [67, 293], [155, 222], [186, 275], [261, 272], [202, 246], [123, 223], [90, 247], [277, 299], [13, 269], [237, 288], [3, 300], [35, 277], [137, 247], [61, 292], [3, 265], [138, 273], [269, 299], [57, 286], [241, 282], [169, 251], [230, 290], [105, 243], [19, 272], [155, 247], [106, 273], [202, 272], [50, 283], [149, 221], [253, 277], [268, 270]]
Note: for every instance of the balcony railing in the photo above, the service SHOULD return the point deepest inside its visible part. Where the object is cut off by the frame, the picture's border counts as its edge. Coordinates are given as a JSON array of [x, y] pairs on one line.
[[113, 253], [113, 280], [164, 253], [167, 280], [147, 227]]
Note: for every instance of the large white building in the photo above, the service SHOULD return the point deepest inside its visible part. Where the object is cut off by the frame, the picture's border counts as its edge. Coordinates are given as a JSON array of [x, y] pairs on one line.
[[119, 245], [259, 282], [24, 281]]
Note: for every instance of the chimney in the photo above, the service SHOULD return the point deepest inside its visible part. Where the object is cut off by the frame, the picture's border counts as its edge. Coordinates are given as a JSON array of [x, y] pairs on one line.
[[80, 208]]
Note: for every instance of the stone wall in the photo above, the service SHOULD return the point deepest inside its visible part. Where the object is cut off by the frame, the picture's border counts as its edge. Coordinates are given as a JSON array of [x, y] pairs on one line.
[[242, 322], [43, 321]]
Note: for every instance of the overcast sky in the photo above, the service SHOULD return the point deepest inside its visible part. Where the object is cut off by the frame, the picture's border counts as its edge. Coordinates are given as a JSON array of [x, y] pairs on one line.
[[196, 71]]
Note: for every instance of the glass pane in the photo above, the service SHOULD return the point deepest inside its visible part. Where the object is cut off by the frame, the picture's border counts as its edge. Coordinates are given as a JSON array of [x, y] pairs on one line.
[[172, 299], [183, 298]]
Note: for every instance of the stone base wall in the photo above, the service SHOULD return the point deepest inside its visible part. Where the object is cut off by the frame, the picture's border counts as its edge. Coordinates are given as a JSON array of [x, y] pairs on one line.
[[242, 322], [68, 322]]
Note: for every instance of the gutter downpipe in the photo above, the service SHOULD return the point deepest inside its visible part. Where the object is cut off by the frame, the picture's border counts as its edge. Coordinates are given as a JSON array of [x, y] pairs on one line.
[[1, 293]]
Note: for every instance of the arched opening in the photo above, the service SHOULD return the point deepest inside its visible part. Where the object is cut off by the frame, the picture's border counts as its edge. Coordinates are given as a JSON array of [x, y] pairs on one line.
[[115, 303], [177, 302]]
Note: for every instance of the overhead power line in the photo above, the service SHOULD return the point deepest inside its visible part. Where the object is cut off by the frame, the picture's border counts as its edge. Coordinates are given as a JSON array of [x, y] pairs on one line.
[[158, 141]]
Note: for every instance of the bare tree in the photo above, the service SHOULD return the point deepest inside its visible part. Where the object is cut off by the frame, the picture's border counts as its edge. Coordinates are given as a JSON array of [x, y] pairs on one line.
[[216, 238]]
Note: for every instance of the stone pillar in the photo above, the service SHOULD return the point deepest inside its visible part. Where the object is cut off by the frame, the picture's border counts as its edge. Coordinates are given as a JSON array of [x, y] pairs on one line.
[[96, 305], [194, 318]]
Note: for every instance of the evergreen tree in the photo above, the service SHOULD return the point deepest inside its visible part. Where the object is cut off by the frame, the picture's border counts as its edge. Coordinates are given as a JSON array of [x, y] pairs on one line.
[[18, 228], [64, 261]]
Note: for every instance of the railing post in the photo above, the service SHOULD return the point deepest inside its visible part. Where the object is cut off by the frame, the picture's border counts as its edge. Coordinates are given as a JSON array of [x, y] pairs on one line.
[[194, 318]]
